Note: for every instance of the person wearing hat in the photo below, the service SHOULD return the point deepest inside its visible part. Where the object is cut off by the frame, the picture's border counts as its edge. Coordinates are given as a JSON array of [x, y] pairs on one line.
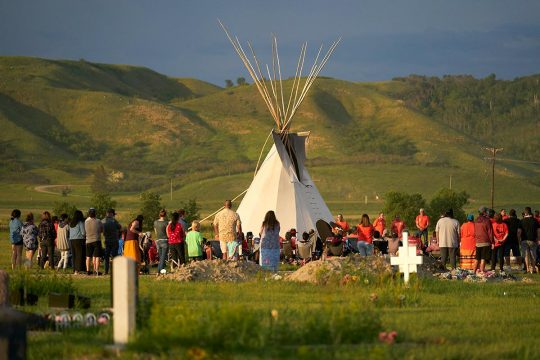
[[483, 237], [111, 233], [467, 246], [93, 228]]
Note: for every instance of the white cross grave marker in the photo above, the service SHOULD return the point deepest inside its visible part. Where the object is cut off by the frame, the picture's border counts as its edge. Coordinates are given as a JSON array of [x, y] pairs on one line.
[[124, 299], [407, 259]]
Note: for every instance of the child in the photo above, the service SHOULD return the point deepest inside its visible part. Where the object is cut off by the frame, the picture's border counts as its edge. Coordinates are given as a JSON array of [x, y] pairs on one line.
[[194, 241]]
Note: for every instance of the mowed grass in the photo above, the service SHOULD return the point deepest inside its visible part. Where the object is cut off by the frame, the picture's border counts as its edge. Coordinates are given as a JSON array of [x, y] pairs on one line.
[[433, 319]]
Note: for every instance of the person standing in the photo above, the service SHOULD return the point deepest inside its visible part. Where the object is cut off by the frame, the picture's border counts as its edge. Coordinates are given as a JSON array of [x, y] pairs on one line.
[[365, 232], [62, 241], [500, 234], [512, 242], [447, 229], [29, 233], [483, 237], [176, 235], [77, 237], [194, 241], [380, 224], [227, 225], [15, 227], [160, 228], [467, 246], [131, 241], [422, 224], [398, 225], [528, 233], [93, 228], [182, 220], [269, 257], [46, 236], [111, 233]]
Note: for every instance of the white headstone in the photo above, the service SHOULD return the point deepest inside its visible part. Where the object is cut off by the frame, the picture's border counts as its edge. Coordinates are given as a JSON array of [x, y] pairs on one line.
[[407, 258], [124, 299]]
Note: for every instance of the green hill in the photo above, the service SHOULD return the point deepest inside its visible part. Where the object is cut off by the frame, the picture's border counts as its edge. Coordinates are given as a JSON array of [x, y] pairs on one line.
[[61, 119]]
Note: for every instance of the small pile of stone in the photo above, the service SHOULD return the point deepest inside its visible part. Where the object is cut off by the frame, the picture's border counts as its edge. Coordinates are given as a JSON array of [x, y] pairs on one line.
[[215, 271], [317, 271]]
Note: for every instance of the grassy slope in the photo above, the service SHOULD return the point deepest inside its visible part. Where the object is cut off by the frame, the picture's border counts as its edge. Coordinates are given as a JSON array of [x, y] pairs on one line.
[[201, 134]]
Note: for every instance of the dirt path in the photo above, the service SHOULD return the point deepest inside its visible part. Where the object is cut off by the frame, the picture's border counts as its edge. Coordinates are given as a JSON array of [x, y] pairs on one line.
[[45, 188]]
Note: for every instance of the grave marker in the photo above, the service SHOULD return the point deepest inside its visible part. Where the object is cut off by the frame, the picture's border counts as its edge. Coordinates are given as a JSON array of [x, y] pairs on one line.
[[124, 299], [407, 258]]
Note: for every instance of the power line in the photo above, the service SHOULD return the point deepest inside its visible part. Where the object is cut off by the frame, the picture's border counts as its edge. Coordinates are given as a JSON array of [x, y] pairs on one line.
[[493, 152]]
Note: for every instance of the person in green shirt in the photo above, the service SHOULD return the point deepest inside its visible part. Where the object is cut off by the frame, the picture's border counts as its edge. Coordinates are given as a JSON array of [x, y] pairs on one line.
[[194, 242]]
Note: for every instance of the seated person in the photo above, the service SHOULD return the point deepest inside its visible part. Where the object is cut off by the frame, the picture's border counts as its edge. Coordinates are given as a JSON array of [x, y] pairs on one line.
[[380, 243], [433, 243], [393, 244]]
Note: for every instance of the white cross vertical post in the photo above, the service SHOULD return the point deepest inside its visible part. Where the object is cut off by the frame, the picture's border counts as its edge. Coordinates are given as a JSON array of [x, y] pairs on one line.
[[407, 259], [124, 299]]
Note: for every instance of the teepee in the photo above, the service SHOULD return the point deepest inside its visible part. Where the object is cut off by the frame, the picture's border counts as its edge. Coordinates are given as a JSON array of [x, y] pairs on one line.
[[282, 182]]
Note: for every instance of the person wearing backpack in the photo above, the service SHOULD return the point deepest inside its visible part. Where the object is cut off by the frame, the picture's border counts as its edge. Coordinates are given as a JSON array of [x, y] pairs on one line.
[[29, 232], [15, 226], [46, 235], [62, 241]]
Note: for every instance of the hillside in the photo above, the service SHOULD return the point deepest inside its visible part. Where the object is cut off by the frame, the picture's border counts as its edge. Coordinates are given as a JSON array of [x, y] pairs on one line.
[[61, 119]]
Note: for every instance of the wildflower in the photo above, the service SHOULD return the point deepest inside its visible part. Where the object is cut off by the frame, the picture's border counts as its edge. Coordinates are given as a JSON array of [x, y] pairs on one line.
[[366, 281], [373, 297], [274, 314], [196, 353]]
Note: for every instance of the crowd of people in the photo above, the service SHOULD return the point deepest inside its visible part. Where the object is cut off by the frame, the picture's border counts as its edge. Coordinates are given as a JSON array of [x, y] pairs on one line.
[[490, 237], [76, 241]]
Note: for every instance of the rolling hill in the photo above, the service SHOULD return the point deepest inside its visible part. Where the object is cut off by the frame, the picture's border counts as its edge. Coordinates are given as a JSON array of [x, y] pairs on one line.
[[62, 119]]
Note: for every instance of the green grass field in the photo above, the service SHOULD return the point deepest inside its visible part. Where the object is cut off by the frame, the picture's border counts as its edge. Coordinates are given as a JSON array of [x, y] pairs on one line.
[[432, 318]]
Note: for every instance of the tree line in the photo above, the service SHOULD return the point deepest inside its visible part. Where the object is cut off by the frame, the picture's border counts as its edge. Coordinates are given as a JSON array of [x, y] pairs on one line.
[[502, 113]]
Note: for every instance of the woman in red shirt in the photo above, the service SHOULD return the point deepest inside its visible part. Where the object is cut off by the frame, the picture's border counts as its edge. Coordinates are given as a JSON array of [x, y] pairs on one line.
[[176, 235], [365, 236], [500, 233]]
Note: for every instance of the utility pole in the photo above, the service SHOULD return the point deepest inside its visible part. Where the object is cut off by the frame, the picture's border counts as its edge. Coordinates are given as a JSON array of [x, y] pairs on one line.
[[171, 189], [493, 151], [450, 182]]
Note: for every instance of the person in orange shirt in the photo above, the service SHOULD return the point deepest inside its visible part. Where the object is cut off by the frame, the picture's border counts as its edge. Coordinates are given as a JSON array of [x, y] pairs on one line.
[[537, 215], [380, 224], [365, 236], [397, 227], [467, 246], [341, 223], [422, 224], [504, 214], [500, 233]]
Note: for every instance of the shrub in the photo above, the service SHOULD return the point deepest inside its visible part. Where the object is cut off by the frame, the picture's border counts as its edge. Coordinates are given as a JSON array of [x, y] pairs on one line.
[[151, 205], [405, 205], [446, 199], [102, 201], [64, 207]]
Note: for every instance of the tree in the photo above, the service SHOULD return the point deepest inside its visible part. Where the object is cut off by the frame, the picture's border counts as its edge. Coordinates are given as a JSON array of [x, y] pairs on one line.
[[151, 205], [64, 207], [102, 201], [241, 81], [100, 180], [405, 205], [192, 210], [445, 199], [229, 83]]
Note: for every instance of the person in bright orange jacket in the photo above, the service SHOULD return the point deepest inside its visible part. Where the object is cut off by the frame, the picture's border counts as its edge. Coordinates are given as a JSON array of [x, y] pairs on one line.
[[380, 224]]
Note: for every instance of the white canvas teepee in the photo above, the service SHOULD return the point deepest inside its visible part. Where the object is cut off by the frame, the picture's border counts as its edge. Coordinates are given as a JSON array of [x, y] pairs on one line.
[[283, 185]]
